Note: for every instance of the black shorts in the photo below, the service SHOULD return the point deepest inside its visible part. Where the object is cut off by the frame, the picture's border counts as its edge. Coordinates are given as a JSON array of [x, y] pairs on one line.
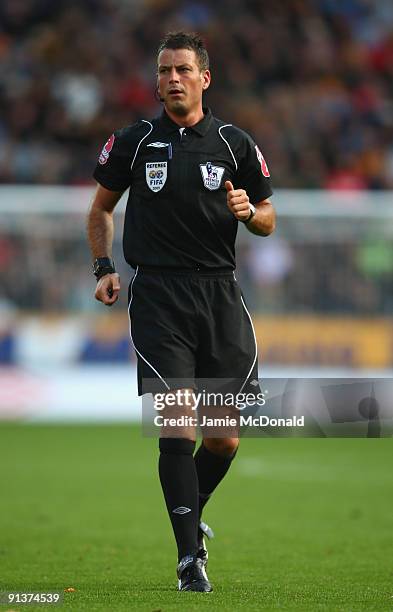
[[189, 326]]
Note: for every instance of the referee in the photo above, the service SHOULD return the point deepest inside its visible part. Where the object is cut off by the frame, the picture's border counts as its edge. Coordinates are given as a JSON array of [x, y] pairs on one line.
[[192, 178]]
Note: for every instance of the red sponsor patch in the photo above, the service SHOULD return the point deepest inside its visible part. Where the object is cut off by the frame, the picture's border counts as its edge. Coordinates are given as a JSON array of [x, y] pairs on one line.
[[261, 159], [106, 150]]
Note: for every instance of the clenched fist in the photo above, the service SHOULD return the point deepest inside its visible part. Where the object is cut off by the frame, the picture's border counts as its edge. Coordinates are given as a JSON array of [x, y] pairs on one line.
[[238, 202], [107, 290]]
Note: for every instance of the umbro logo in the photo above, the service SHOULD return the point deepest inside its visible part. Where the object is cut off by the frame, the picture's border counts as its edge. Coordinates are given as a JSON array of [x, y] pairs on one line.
[[181, 510], [158, 145]]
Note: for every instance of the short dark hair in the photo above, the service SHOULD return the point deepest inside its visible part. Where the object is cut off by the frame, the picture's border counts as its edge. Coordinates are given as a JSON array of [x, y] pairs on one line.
[[186, 40]]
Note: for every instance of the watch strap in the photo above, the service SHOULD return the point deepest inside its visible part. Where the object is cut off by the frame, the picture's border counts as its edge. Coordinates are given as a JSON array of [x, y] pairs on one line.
[[103, 266], [253, 210]]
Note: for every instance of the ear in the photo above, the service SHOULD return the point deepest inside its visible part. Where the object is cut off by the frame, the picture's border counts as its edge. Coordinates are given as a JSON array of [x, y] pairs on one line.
[[157, 95], [206, 78], [158, 88]]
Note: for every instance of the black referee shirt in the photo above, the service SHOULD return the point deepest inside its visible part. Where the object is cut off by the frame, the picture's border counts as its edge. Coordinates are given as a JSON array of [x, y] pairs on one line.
[[177, 215]]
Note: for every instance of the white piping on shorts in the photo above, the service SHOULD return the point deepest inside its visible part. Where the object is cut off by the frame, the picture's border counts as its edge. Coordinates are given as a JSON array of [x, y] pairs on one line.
[[226, 142], [132, 340], [140, 142], [255, 341]]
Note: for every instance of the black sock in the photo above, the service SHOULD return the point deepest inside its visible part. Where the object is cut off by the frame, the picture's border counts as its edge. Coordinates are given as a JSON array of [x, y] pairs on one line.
[[179, 483], [211, 469]]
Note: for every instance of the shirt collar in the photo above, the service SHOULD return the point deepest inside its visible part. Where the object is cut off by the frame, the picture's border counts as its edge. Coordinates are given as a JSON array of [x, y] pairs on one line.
[[200, 128]]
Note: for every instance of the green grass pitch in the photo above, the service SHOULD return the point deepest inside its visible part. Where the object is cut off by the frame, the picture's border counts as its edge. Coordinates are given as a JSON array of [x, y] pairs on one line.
[[301, 524]]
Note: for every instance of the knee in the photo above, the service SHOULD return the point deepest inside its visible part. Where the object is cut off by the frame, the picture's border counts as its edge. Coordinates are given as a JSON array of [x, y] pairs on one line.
[[225, 447]]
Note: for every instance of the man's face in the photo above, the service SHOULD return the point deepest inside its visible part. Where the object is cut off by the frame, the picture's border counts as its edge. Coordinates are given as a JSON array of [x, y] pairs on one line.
[[180, 80]]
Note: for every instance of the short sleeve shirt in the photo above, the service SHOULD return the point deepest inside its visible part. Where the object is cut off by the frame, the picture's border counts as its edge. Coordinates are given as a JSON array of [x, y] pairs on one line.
[[177, 214]]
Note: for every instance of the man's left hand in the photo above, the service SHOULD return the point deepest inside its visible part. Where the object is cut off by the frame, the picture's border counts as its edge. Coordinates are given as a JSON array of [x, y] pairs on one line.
[[238, 202]]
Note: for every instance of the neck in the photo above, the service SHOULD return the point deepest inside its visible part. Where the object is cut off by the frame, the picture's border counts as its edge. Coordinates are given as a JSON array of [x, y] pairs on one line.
[[188, 120]]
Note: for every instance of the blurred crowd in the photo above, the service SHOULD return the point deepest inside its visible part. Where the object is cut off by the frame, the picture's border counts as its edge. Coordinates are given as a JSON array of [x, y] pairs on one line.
[[312, 80], [51, 274]]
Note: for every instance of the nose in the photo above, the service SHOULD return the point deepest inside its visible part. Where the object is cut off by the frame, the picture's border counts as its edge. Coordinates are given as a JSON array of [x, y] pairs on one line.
[[174, 75]]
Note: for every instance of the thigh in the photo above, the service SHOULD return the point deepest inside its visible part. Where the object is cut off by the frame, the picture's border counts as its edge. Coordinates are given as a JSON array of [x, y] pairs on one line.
[[229, 348], [161, 329]]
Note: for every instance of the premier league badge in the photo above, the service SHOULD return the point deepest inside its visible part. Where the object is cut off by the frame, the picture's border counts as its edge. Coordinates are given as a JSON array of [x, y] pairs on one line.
[[211, 175], [156, 173]]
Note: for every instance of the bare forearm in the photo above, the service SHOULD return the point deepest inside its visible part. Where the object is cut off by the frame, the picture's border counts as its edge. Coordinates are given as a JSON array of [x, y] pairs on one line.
[[100, 221], [263, 222], [100, 232]]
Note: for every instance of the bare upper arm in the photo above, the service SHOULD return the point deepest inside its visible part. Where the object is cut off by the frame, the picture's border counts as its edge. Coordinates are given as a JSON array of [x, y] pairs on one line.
[[105, 199], [268, 215], [263, 203], [266, 206]]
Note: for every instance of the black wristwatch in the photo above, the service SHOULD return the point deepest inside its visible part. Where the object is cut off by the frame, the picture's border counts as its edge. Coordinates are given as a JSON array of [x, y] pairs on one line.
[[102, 266], [253, 210]]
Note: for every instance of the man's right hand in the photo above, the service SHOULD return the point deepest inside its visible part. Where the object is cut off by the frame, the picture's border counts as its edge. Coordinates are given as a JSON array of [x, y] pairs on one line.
[[108, 288]]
